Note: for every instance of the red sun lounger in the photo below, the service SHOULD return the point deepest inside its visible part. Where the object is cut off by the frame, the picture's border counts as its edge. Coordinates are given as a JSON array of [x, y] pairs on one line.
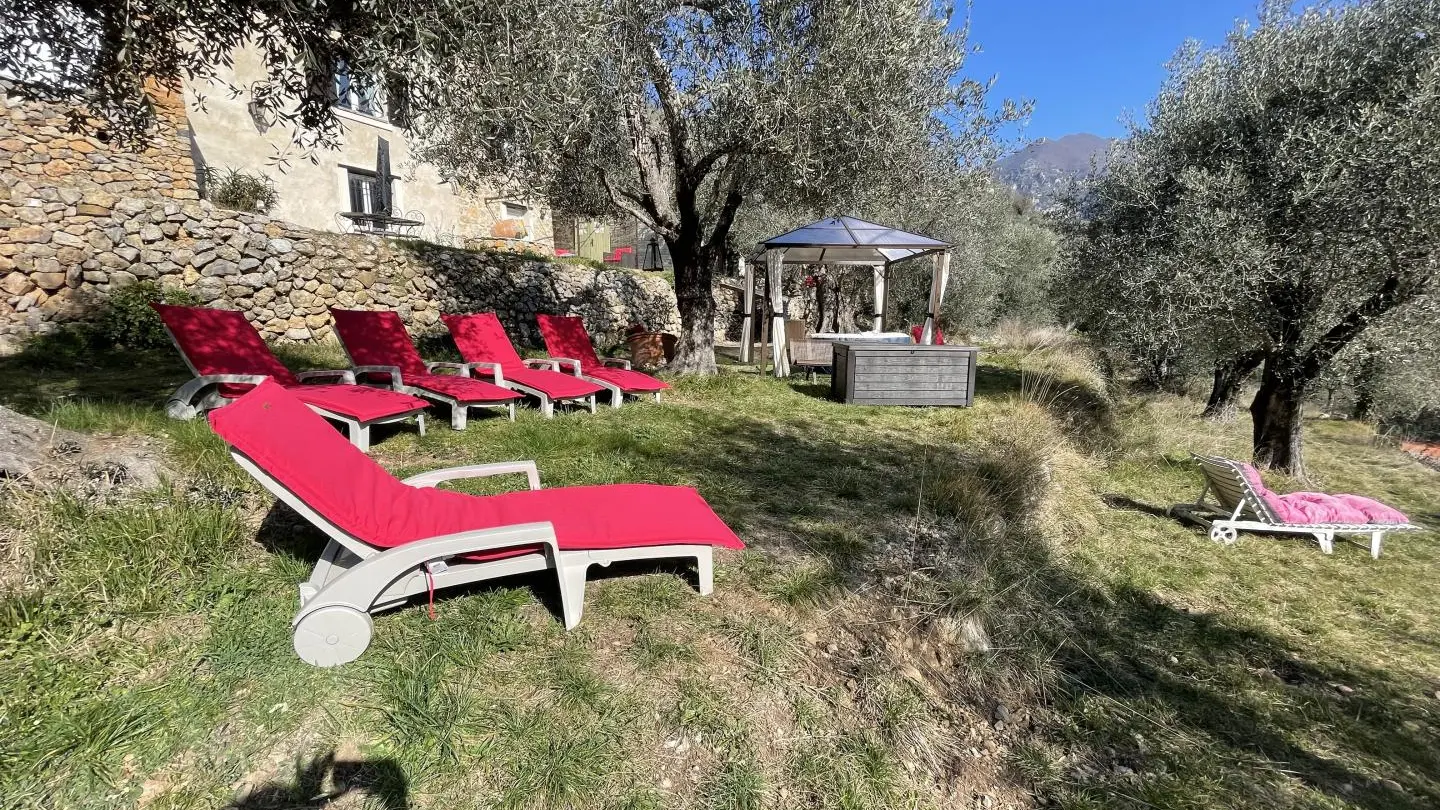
[[379, 346], [391, 540], [488, 351], [228, 357], [569, 346]]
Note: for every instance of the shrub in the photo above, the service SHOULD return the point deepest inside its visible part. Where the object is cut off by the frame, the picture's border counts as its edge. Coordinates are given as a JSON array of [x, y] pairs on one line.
[[239, 190], [126, 319]]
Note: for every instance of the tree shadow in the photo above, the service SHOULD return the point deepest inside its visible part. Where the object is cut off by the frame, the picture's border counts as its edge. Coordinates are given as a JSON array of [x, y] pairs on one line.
[[1130, 678], [324, 779]]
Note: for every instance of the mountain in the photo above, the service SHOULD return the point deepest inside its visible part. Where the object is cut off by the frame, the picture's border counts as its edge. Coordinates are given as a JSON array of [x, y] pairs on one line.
[[1044, 169]]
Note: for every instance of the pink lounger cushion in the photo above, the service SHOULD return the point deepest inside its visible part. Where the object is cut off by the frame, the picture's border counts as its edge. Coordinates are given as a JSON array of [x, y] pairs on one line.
[[271, 427], [1308, 508], [221, 341], [379, 339], [565, 336], [481, 339]]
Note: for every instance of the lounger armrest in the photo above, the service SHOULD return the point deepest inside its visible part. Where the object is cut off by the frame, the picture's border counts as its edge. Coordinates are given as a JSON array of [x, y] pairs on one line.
[[615, 361], [495, 372], [460, 369], [561, 362], [542, 362], [345, 375], [430, 479], [393, 372], [357, 585], [181, 404]]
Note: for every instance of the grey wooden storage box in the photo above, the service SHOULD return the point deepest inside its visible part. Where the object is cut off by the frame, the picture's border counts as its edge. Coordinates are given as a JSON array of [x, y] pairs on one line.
[[903, 374]]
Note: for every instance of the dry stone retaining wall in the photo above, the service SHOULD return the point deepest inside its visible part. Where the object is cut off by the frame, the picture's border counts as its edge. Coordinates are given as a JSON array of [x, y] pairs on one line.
[[62, 258]]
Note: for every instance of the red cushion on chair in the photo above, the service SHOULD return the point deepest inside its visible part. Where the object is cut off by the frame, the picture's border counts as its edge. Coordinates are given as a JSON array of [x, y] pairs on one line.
[[221, 341], [463, 389], [565, 336], [481, 339], [917, 331], [627, 379], [377, 339], [284, 438], [552, 383], [358, 401]]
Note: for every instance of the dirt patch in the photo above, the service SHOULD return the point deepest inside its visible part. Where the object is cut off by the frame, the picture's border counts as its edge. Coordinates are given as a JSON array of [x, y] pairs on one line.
[[35, 452]]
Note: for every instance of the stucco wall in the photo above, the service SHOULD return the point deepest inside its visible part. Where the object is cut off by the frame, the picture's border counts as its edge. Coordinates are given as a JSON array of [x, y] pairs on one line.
[[226, 135]]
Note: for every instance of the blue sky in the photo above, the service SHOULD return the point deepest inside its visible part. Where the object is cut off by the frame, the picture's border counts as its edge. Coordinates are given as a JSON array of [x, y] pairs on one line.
[[1086, 62]]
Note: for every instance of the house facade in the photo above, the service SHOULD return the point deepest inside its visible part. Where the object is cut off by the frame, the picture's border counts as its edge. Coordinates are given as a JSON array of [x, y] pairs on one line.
[[368, 183]]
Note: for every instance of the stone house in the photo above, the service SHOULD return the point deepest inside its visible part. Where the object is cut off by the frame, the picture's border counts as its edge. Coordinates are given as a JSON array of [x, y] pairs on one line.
[[342, 189]]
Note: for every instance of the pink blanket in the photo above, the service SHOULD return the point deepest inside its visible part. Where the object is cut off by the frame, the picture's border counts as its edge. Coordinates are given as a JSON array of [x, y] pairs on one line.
[[1318, 507]]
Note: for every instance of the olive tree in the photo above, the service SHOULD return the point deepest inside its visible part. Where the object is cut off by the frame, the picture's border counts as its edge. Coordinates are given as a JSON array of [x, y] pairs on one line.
[[1281, 197], [682, 112]]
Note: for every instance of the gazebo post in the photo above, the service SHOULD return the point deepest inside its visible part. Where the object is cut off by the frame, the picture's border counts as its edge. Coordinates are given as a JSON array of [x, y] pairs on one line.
[[776, 261], [879, 308], [938, 280], [747, 319]]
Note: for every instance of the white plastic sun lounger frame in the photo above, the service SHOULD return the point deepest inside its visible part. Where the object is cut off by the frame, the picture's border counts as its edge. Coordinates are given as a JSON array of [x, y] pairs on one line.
[[353, 579], [617, 394], [547, 402], [1248, 512], [458, 410]]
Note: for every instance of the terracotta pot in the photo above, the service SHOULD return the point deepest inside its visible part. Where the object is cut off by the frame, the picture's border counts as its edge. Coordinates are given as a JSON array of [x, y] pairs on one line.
[[647, 349]]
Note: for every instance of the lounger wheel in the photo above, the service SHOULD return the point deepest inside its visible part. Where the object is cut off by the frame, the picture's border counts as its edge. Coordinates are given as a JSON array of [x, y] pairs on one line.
[[333, 635], [183, 411], [1224, 534]]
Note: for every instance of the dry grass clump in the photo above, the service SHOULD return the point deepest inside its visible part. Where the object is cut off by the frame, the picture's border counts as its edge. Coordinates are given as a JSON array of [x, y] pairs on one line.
[[1021, 336]]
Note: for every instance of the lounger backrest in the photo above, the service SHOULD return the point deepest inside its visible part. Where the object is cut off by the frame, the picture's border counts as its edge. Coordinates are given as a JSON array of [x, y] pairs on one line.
[[319, 467], [220, 341], [481, 339], [1231, 487], [377, 339], [565, 336]]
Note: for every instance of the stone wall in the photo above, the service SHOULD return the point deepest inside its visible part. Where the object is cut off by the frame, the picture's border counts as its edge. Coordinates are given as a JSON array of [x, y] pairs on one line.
[[38, 150], [64, 257]]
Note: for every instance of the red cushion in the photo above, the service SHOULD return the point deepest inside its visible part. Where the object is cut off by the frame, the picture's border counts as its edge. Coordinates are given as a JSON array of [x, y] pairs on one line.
[[481, 339], [377, 339], [462, 389], [221, 341], [552, 383], [284, 438], [625, 378], [565, 336], [358, 401], [917, 331]]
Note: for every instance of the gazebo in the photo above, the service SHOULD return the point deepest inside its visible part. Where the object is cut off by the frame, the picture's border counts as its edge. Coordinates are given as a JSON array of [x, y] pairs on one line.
[[840, 240]]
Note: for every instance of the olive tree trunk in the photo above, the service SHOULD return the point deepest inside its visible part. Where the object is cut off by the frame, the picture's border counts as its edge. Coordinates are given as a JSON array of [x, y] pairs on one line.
[[1276, 413], [1230, 375], [695, 299]]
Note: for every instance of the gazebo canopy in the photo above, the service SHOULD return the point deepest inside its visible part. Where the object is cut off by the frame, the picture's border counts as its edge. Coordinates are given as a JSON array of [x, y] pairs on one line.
[[847, 240]]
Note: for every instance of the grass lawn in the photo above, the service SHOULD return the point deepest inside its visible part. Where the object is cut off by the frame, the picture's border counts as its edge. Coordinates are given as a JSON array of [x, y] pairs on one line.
[[938, 608]]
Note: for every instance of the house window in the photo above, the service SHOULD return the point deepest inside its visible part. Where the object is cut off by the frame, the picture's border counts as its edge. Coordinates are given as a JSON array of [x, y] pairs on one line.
[[368, 196], [509, 210], [356, 91]]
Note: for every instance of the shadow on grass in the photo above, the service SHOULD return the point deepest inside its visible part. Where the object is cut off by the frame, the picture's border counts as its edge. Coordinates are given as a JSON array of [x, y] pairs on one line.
[[326, 779], [1209, 710]]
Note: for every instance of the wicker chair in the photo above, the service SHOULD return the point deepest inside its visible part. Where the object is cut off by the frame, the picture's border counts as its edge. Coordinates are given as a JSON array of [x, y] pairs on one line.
[[805, 353]]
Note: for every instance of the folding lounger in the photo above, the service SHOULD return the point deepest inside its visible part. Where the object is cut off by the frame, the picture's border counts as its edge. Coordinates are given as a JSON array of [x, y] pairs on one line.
[[391, 539], [488, 351], [379, 346], [569, 346], [1245, 504], [228, 357]]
